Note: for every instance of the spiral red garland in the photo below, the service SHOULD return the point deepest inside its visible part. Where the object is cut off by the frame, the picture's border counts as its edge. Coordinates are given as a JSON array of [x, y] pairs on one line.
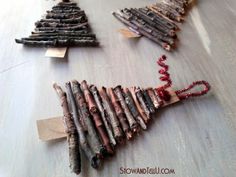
[[164, 94]]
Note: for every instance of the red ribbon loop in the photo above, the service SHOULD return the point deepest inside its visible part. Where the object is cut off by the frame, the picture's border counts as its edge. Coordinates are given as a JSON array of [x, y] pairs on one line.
[[182, 95]]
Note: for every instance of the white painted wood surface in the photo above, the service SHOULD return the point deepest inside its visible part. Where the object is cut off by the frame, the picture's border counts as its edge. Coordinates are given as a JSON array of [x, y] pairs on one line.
[[196, 138]]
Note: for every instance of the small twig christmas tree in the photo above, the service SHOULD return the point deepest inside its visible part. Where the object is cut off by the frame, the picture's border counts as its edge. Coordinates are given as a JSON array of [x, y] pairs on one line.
[[65, 25]]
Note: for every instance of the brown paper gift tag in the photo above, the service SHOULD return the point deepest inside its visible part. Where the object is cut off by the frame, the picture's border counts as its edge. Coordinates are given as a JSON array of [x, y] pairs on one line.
[[128, 33], [56, 52], [51, 129]]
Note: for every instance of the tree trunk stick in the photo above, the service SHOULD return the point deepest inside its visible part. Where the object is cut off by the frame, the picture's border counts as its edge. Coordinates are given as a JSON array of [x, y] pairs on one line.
[[132, 107], [59, 42], [93, 109], [141, 99], [77, 27], [132, 123], [165, 45], [72, 136], [112, 115], [87, 119], [153, 97], [148, 101], [104, 115], [141, 111], [120, 114], [94, 161]]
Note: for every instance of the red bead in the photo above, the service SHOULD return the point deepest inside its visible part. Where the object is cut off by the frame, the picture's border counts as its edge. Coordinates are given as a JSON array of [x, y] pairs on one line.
[[164, 95]]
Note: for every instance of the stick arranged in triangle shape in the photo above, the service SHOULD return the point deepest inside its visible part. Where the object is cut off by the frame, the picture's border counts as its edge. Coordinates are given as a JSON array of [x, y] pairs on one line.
[[65, 25], [157, 22], [99, 119]]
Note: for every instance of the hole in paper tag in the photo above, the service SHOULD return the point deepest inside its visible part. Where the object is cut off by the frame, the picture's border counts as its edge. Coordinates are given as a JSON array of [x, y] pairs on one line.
[[128, 33], [56, 52]]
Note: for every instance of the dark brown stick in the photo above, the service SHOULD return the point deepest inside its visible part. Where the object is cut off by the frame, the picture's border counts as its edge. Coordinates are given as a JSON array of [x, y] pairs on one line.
[[72, 135]]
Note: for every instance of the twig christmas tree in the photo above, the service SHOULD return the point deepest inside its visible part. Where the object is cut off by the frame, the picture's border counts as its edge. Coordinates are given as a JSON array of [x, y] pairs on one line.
[[65, 25], [106, 117], [157, 22]]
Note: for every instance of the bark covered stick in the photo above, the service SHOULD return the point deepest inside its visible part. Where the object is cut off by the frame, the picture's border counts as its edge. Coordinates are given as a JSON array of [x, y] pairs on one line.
[[103, 113], [73, 20], [91, 156], [159, 18], [69, 28], [87, 119], [120, 114], [141, 99], [147, 19], [59, 42], [52, 15], [132, 107], [154, 98], [112, 115], [132, 123], [141, 111], [148, 101], [56, 24], [65, 7], [119, 16], [93, 109], [48, 38], [175, 5], [63, 35], [72, 135]]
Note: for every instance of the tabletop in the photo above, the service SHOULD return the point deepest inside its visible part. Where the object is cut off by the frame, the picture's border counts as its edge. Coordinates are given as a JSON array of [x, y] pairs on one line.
[[195, 137]]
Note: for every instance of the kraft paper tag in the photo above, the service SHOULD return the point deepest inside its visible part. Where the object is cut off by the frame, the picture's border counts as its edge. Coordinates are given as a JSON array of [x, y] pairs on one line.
[[128, 33], [56, 52], [51, 129]]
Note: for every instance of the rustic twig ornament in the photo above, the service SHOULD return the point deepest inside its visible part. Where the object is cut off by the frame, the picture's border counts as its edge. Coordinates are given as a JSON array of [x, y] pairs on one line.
[[157, 22], [63, 26], [99, 118]]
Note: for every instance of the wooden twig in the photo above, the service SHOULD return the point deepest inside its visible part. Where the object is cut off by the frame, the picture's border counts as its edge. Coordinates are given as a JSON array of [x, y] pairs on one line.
[[87, 119], [94, 160], [132, 123], [132, 107], [112, 115], [93, 109], [72, 135], [103, 113], [140, 110], [120, 114], [148, 101], [141, 99]]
